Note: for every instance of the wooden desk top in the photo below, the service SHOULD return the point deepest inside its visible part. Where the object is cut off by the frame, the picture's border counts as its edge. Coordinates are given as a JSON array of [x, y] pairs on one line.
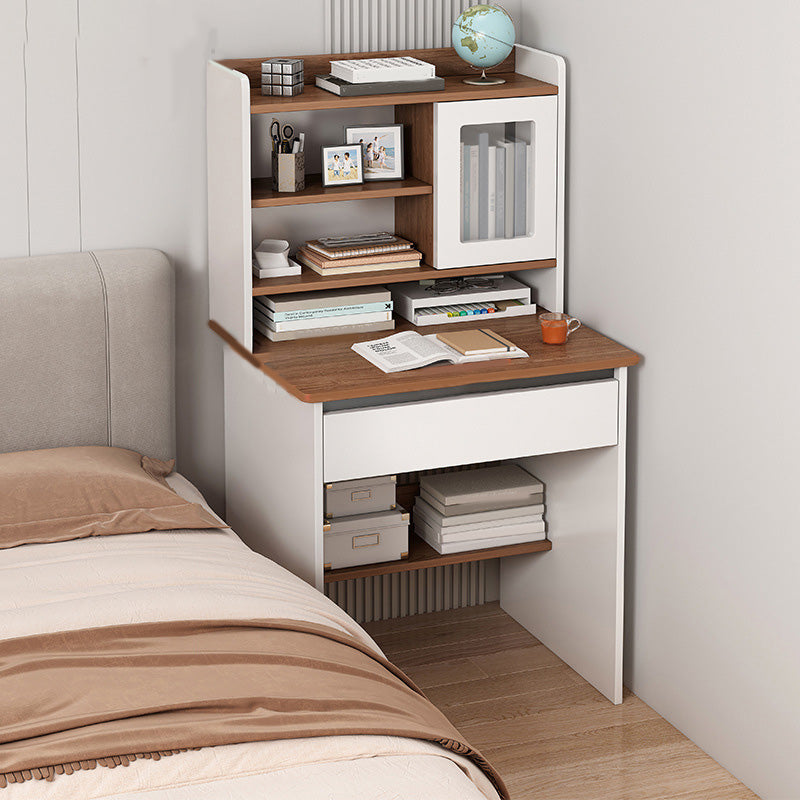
[[324, 369]]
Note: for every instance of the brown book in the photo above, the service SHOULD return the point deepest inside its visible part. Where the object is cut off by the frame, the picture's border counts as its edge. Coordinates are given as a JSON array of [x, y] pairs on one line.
[[477, 342], [381, 258], [360, 245], [337, 270]]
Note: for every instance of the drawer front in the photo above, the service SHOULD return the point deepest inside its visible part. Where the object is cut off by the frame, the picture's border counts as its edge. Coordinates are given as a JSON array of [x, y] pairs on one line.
[[466, 430]]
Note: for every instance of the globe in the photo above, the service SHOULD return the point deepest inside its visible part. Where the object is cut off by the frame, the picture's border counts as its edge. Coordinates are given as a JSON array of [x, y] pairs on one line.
[[483, 36]]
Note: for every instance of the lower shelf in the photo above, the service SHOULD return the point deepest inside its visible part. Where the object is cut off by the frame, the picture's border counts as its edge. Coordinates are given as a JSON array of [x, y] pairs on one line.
[[422, 556]]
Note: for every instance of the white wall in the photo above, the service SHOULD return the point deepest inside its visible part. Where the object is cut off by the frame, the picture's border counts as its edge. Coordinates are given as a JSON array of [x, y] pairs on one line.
[[684, 191], [102, 145]]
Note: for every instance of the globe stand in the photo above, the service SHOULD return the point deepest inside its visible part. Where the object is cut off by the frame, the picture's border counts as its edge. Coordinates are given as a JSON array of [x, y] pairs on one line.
[[484, 80]]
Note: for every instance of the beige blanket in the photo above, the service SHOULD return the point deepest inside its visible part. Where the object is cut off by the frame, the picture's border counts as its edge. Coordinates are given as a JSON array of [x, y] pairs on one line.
[[76, 699]]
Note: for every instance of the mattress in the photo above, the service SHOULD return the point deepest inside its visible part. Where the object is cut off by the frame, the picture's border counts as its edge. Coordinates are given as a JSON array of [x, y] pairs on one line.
[[175, 575]]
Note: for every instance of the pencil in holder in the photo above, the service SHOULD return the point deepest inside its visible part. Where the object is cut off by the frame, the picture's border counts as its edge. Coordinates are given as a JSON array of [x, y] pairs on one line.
[[288, 172]]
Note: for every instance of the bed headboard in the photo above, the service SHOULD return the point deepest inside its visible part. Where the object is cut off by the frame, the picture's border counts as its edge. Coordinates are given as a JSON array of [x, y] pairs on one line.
[[87, 351]]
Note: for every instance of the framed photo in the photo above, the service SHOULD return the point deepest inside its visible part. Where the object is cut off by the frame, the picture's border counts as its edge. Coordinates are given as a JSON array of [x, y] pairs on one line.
[[383, 150], [342, 165]]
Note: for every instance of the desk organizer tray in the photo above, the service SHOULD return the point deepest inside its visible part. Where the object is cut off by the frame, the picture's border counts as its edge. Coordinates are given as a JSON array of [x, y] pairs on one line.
[[410, 300], [365, 539], [363, 496]]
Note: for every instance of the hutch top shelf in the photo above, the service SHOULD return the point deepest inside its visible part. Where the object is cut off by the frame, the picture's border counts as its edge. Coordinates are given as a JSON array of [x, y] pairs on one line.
[[448, 65]]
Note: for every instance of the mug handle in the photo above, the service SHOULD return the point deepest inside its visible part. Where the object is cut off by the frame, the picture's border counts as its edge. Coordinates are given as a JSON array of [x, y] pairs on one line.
[[570, 329]]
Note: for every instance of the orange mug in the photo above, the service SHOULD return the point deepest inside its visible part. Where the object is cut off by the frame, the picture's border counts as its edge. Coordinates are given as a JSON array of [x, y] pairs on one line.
[[556, 327]]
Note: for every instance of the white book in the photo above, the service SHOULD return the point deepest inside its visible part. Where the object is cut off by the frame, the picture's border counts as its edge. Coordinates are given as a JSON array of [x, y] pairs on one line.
[[508, 147], [448, 536], [520, 187], [474, 192], [531, 185], [465, 533], [322, 322], [424, 532], [483, 185], [382, 70], [490, 233], [506, 514]]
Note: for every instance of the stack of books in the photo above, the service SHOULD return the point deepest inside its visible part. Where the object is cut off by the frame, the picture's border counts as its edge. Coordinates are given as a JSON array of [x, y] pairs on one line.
[[330, 313], [479, 508], [365, 253], [365, 76], [496, 178]]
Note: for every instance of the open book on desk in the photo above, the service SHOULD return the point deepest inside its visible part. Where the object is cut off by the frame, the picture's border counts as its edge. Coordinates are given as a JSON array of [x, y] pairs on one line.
[[410, 350]]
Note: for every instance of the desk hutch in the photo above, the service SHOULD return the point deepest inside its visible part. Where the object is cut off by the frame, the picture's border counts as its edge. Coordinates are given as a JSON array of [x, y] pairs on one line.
[[301, 413]]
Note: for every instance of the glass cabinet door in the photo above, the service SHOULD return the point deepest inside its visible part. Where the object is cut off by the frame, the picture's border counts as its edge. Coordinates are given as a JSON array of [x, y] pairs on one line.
[[495, 184]]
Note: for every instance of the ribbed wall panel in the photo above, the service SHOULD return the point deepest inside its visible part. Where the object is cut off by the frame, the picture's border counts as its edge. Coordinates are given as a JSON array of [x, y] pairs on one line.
[[353, 26], [405, 593]]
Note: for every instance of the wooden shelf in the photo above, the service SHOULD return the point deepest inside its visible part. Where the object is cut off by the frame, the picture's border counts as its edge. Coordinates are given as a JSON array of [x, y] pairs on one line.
[[310, 281], [325, 368], [263, 195], [314, 99], [422, 556]]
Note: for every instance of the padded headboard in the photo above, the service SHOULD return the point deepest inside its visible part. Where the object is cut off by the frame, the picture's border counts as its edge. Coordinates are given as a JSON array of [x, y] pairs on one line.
[[87, 351]]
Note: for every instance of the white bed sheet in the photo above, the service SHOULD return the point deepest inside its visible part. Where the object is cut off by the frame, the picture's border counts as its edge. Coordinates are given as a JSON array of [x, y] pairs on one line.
[[159, 576]]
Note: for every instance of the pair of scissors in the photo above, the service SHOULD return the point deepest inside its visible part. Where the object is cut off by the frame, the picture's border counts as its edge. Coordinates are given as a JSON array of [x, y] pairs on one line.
[[281, 137]]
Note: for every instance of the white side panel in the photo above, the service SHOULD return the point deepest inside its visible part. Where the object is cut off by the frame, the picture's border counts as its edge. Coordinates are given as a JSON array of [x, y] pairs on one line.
[[13, 148], [52, 126], [229, 220], [467, 430], [273, 469], [551, 69], [449, 118], [571, 598]]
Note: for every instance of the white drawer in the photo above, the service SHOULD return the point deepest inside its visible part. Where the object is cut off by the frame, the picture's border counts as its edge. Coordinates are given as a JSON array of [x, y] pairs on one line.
[[469, 429]]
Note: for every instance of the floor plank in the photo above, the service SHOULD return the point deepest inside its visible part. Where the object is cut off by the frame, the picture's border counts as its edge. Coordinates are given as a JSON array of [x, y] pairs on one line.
[[503, 686], [549, 733]]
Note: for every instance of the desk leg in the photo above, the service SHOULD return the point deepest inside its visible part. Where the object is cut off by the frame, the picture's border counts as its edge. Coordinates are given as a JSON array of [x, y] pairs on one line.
[[273, 469], [571, 598]]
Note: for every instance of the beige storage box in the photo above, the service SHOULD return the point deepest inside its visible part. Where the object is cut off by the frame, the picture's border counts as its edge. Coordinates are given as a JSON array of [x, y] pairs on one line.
[[365, 539], [363, 496]]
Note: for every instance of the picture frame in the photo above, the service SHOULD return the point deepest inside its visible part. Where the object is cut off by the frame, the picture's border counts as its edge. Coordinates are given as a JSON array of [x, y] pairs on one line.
[[387, 142], [342, 165]]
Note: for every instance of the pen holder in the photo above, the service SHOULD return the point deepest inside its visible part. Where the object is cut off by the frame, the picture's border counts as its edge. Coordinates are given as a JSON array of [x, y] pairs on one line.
[[288, 172]]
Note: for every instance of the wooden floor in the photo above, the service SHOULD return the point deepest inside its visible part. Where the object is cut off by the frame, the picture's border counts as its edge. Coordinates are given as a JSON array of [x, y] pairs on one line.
[[547, 732]]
